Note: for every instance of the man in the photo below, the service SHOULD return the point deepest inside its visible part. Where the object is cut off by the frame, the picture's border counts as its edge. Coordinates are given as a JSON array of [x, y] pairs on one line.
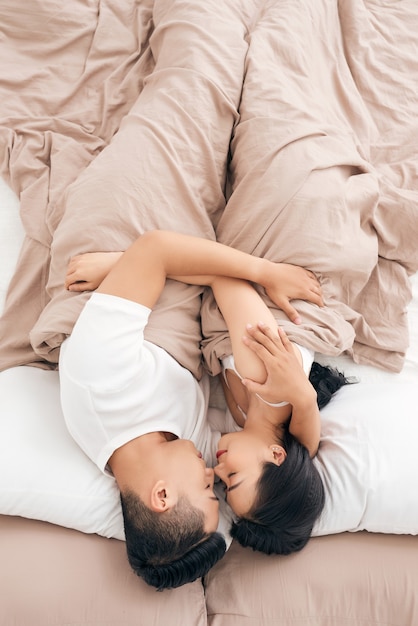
[[165, 168], [130, 405]]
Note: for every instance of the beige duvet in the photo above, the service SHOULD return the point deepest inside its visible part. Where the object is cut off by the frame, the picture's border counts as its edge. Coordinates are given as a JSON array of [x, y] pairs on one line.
[[120, 117]]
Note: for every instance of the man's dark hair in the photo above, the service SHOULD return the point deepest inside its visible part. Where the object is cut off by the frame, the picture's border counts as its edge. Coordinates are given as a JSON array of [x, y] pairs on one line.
[[171, 548], [290, 497]]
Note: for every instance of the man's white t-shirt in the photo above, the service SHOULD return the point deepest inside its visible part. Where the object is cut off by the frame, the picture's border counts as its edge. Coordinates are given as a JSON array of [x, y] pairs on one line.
[[116, 386]]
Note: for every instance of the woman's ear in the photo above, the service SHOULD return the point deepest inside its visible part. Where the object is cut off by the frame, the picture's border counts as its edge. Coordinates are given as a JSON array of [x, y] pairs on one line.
[[163, 497], [279, 454]]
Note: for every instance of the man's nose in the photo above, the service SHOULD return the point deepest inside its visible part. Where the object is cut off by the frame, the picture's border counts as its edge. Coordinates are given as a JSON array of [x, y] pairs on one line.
[[210, 474]]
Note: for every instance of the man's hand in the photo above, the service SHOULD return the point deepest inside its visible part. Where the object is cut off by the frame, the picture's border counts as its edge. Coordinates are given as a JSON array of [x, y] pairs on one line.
[[291, 282], [85, 272]]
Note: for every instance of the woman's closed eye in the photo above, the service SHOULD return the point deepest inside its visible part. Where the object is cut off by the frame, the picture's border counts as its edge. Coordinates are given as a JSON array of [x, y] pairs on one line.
[[235, 485], [228, 476]]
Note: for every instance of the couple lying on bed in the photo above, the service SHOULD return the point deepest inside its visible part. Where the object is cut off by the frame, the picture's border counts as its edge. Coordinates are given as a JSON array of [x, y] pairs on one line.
[[133, 406], [142, 416]]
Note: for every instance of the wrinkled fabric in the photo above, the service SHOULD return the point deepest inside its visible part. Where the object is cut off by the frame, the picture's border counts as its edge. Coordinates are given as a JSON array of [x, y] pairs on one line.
[[324, 171], [129, 131]]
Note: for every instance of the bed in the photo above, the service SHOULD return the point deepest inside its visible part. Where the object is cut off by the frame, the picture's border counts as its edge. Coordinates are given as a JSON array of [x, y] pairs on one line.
[[300, 126]]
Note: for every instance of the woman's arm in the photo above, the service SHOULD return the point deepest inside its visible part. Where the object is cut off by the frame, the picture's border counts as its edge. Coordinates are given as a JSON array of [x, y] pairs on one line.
[[285, 372], [270, 364], [240, 305]]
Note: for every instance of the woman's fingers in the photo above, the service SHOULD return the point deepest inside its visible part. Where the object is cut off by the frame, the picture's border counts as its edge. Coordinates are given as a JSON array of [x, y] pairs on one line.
[[287, 344], [263, 337], [252, 385], [260, 347]]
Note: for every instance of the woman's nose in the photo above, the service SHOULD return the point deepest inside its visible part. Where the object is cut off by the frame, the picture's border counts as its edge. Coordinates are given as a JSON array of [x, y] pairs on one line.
[[218, 470]]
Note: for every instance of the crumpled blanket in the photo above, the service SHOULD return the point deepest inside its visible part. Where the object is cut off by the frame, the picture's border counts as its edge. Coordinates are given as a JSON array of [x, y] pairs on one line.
[[124, 125], [324, 171], [120, 117]]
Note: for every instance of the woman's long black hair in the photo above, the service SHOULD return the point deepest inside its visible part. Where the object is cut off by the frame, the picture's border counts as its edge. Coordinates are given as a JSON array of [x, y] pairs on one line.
[[290, 497]]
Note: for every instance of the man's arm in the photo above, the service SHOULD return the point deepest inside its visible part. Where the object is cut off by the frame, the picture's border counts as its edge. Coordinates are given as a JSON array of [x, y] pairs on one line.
[[142, 270], [139, 274]]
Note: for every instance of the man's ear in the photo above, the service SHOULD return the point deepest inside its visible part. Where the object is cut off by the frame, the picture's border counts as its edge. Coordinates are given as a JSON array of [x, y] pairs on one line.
[[163, 497]]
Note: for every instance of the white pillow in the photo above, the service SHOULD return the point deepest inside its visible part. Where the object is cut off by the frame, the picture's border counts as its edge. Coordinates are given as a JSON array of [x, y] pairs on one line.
[[368, 459], [44, 474]]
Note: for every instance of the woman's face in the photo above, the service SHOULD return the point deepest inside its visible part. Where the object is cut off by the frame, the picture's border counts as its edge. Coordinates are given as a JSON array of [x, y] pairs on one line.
[[241, 457]]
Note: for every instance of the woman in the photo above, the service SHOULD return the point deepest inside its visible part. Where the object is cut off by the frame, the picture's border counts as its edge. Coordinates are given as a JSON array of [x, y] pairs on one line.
[[274, 391], [282, 424]]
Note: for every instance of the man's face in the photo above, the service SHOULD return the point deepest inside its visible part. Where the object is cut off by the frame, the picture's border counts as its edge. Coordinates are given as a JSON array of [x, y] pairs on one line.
[[185, 470]]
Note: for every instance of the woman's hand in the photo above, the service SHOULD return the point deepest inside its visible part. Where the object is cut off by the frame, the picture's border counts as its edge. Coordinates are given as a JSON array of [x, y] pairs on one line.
[[286, 379], [85, 272], [291, 282]]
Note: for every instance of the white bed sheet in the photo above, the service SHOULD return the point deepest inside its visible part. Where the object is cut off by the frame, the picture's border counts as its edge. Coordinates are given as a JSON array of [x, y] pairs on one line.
[[11, 236]]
